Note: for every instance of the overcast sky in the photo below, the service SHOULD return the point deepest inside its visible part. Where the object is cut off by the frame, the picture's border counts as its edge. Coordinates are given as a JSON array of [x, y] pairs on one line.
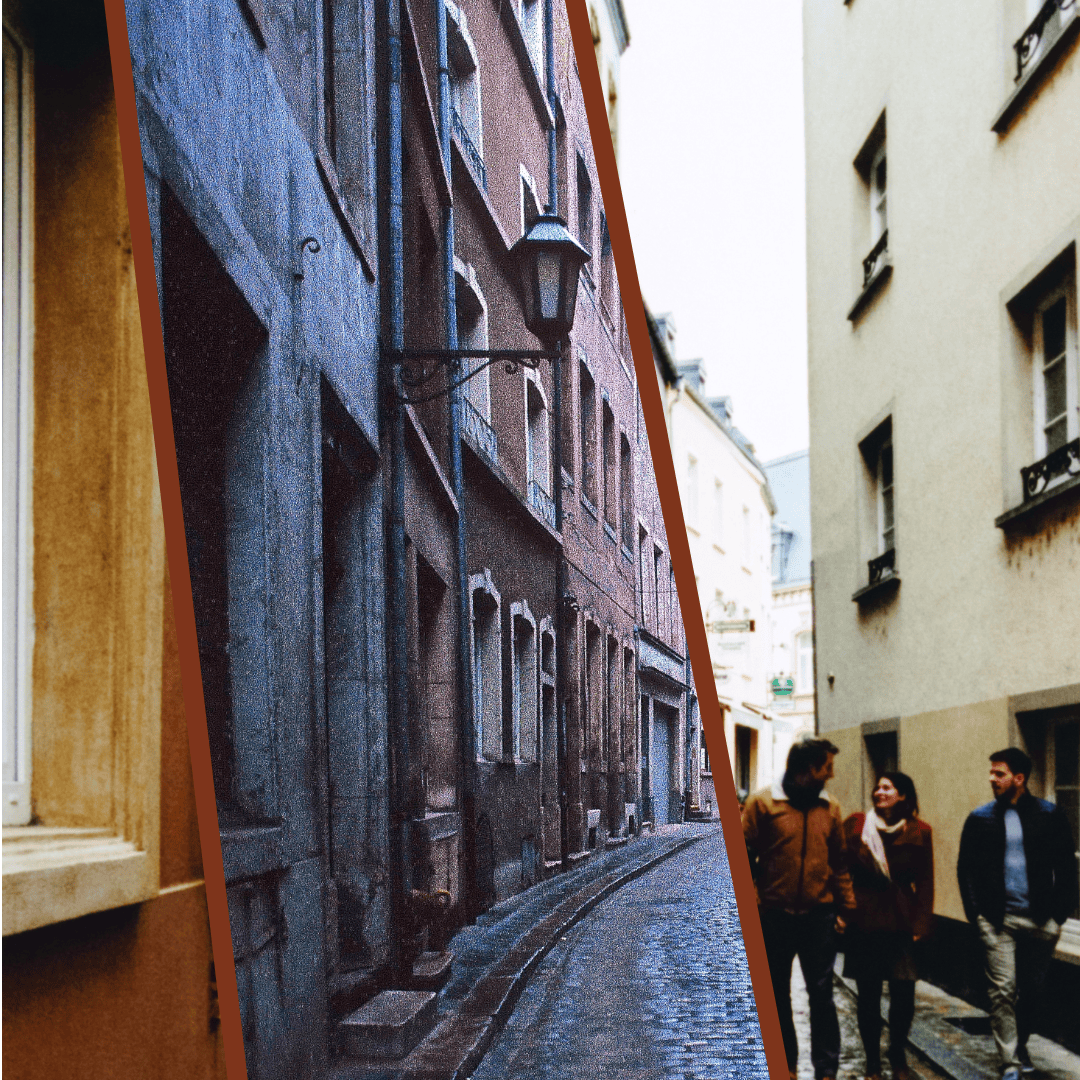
[[711, 162]]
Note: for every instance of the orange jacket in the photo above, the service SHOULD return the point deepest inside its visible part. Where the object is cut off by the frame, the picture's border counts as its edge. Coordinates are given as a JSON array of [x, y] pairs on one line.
[[799, 856]]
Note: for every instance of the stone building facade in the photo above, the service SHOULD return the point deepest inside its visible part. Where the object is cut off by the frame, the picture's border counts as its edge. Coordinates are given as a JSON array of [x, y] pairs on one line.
[[102, 870], [728, 509], [422, 692], [942, 240]]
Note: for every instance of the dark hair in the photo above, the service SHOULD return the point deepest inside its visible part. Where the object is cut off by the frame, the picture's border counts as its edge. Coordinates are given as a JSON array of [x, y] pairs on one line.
[[1015, 758], [905, 786], [809, 754]]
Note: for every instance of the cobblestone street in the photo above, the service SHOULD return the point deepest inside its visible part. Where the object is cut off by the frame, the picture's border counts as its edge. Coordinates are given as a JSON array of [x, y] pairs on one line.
[[652, 984]]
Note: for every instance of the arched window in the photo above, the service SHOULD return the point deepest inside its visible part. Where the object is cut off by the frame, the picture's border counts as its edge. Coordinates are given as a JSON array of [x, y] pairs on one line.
[[486, 648]]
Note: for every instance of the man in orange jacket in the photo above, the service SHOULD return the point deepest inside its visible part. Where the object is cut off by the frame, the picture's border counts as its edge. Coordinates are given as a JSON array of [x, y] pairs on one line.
[[795, 840]]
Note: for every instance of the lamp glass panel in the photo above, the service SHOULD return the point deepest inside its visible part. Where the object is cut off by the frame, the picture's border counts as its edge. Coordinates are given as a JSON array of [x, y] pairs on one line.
[[547, 275]]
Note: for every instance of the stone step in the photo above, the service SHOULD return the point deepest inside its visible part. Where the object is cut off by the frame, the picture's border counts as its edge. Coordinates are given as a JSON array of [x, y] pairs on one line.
[[431, 970], [390, 1025]]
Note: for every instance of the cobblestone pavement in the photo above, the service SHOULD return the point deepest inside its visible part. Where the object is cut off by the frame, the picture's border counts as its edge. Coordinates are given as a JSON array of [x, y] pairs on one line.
[[651, 985]]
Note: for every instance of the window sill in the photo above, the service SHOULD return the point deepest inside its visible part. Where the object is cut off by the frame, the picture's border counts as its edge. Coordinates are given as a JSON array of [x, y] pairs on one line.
[[50, 875], [612, 535], [590, 508], [1025, 512], [872, 287], [1036, 74], [878, 591]]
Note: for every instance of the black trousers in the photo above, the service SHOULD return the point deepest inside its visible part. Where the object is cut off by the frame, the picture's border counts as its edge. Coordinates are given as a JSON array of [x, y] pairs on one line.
[[901, 1014], [812, 938]]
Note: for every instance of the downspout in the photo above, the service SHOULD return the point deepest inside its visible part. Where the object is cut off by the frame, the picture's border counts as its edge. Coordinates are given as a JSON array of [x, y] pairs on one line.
[[400, 839], [562, 611], [457, 482]]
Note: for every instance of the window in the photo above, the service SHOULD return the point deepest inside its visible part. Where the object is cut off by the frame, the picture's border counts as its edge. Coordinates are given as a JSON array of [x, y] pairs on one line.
[[1037, 34], [607, 272], [487, 666], [1055, 371], [18, 415], [611, 475], [594, 695], [885, 508], [1042, 444], [878, 507], [747, 537], [85, 636], [524, 683], [804, 652], [718, 512], [645, 576], [539, 460], [465, 114], [584, 207], [691, 491], [871, 164], [532, 30], [626, 492], [530, 200], [658, 582], [587, 393], [472, 320]]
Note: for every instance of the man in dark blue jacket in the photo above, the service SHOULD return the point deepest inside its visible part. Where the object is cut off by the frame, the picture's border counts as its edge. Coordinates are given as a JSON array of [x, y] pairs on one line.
[[1018, 881]]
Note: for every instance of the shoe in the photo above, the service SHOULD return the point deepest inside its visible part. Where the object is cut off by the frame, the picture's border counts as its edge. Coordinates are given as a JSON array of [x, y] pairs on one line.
[[1024, 1058], [901, 1072], [1011, 1073]]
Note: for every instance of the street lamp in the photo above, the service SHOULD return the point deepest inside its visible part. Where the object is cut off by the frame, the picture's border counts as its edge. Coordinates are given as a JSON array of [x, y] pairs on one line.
[[548, 261]]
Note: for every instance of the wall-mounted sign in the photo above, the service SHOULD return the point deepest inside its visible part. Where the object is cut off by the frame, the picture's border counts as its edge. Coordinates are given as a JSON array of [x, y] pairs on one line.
[[783, 687]]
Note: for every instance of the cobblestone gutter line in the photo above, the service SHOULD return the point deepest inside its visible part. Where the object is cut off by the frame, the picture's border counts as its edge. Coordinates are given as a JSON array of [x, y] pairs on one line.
[[457, 1045]]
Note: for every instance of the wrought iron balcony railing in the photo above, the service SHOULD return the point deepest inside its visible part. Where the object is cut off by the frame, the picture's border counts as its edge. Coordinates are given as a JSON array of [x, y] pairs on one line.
[[1063, 462], [1042, 32], [480, 431], [469, 147], [872, 263], [542, 502], [883, 567]]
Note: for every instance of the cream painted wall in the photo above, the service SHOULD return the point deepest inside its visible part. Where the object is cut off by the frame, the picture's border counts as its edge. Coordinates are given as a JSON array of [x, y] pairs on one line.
[[977, 616]]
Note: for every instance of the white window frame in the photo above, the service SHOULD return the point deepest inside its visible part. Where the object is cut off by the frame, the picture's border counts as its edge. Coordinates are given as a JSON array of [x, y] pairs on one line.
[[486, 660], [531, 18], [886, 496], [525, 682], [691, 488], [528, 190], [538, 434], [18, 418], [1066, 291], [464, 75], [879, 218], [804, 661], [474, 335]]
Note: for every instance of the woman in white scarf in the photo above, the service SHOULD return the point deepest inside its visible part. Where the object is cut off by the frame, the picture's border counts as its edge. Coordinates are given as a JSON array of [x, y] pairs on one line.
[[890, 849]]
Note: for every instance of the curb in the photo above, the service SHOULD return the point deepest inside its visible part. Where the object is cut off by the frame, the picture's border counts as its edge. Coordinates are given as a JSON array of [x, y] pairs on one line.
[[458, 1044]]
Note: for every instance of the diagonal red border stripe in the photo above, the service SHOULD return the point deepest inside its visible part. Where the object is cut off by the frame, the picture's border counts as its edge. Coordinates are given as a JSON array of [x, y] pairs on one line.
[[176, 544]]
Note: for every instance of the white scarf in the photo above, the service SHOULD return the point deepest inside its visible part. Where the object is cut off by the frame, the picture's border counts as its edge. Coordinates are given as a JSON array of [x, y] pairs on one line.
[[873, 827]]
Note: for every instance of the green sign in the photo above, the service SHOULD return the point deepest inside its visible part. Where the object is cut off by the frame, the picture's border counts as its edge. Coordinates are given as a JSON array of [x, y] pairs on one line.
[[783, 687]]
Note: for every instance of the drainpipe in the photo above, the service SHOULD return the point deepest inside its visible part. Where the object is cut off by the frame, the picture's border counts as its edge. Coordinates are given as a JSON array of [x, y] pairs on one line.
[[400, 839], [457, 482], [562, 612]]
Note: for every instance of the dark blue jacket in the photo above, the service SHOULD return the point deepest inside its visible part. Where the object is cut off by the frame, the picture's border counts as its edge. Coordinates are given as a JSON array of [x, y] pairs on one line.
[[1051, 861]]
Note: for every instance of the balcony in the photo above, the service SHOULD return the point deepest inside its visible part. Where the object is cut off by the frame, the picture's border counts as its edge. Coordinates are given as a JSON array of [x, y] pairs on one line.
[[476, 162], [1037, 50], [882, 577], [542, 502], [877, 266], [480, 432], [1052, 480]]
